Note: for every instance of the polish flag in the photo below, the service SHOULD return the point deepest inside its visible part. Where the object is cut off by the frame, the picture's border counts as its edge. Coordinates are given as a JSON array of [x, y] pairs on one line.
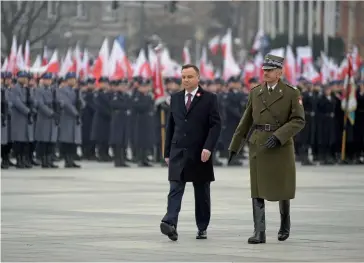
[[214, 44], [290, 66], [101, 64], [85, 66], [27, 54], [186, 55], [257, 44], [13, 56], [153, 59], [45, 59], [311, 74], [77, 60], [231, 68], [249, 72], [20, 65], [38, 62], [4, 66], [142, 67], [205, 71], [304, 58], [53, 65], [67, 64], [116, 69]]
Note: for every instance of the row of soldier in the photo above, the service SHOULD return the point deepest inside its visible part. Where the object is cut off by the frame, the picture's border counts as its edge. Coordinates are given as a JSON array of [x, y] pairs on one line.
[[41, 116]]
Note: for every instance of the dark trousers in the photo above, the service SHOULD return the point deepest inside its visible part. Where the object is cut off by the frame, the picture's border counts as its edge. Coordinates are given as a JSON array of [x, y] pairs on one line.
[[5, 151], [68, 149], [46, 148], [202, 203], [20, 148]]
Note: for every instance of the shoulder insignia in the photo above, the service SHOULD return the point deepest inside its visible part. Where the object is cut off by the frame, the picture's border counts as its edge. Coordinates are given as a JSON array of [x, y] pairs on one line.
[[292, 87], [255, 86]]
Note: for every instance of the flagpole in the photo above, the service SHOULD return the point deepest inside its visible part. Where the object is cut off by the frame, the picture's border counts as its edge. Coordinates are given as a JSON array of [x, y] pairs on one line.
[[347, 91]]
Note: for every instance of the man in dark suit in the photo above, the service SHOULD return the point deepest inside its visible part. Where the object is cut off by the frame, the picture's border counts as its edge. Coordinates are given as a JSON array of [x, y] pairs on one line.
[[193, 129]]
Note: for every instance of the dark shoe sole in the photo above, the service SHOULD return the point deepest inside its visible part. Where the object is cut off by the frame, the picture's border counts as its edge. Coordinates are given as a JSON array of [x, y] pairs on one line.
[[201, 237], [255, 242], [168, 231], [283, 237]]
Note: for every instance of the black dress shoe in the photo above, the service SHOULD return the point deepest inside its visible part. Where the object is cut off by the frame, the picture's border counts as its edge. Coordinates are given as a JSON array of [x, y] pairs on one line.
[[201, 234], [169, 231]]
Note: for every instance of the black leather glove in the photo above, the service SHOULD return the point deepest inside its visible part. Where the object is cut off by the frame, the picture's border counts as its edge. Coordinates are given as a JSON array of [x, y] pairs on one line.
[[272, 142], [231, 156]]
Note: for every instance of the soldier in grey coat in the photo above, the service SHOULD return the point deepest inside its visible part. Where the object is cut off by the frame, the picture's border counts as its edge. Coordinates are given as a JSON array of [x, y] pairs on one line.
[[120, 111], [22, 119], [70, 120], [47, 124]]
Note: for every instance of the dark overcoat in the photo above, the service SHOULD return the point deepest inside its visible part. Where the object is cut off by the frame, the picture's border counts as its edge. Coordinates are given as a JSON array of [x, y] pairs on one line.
[[144, 114], [120, 111], [272, 171], [327, 121], [102, 117], [188, 133], [87, 115]]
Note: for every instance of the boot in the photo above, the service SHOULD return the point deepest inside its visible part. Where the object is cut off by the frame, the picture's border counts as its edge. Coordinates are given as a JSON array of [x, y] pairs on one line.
[[45, 162], [19, 162], [72, 162], [122, 158], [284, 208], [259, 222], [26, 162], [50, 163], [67, 161], [5, 164]]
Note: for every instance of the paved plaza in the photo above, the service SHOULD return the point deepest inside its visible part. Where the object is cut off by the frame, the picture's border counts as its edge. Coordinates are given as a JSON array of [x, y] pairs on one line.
[[100, 213]]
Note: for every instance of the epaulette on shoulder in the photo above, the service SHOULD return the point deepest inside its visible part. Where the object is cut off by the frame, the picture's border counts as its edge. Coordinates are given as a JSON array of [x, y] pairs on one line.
[[255, 86], [292, 87]]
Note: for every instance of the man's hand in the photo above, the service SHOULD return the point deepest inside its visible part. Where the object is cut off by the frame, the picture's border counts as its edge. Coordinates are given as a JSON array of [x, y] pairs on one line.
[[231, 156], [167, 160], [272, 142], [205, 155]]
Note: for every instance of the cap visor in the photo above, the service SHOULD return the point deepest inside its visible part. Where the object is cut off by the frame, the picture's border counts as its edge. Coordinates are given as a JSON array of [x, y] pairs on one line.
[[268, 67]]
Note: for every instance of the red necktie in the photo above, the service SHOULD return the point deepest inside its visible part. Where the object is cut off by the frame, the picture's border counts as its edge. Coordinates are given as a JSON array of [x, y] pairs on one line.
[[189, 100]]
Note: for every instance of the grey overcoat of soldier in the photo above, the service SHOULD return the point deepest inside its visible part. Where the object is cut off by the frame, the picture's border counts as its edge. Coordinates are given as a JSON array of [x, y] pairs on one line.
[[70, 124], [5, 127], [21, 129], [46, 129]]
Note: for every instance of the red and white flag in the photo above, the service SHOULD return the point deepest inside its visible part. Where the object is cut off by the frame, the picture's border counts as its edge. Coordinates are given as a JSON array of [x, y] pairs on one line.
[[214, 44], [186, 55]]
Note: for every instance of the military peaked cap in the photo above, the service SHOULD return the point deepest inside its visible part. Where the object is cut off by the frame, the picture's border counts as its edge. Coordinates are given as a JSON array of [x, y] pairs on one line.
[[70, 75], [272, 62]]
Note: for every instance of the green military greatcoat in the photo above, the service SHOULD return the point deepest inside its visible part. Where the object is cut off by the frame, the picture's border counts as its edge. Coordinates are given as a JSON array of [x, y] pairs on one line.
[[272, 171]]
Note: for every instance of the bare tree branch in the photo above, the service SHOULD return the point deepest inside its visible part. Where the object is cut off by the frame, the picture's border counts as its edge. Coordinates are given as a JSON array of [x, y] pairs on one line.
[[51, 27]]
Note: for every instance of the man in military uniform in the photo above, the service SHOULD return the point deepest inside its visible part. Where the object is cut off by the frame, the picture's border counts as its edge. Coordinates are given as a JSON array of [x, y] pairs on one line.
[[88, 145], [120, 111], [70, 135], [5, 113], [22, 119], [143, 108], [274, 115], [101, 121], [359, 123], [233, 111], [47, 123]]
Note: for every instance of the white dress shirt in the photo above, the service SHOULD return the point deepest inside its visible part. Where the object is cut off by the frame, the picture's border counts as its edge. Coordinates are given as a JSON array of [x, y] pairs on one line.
[[193, 94], [272, 86]]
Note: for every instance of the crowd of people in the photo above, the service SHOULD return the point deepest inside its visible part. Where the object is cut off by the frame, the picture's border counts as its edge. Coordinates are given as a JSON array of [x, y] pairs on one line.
[[47, 119]]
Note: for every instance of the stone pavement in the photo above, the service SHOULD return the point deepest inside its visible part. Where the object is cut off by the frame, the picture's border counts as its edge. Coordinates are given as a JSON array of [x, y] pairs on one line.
[[101, 213]]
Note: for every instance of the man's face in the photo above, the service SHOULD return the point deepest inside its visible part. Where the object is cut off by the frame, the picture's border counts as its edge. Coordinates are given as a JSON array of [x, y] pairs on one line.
[[190, 78], [47, 82], [71, 82], [272, 75]]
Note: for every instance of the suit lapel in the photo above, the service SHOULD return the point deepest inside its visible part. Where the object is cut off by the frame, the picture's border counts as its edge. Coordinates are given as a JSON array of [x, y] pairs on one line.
[[181, 102], [196, 99]]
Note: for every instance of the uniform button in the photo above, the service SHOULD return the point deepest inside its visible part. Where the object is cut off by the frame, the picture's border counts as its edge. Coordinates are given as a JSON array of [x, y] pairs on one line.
[[184, 134], [185, 120]]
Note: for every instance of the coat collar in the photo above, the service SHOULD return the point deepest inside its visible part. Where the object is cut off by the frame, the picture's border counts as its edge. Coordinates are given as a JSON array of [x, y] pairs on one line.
[[274, 96]]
